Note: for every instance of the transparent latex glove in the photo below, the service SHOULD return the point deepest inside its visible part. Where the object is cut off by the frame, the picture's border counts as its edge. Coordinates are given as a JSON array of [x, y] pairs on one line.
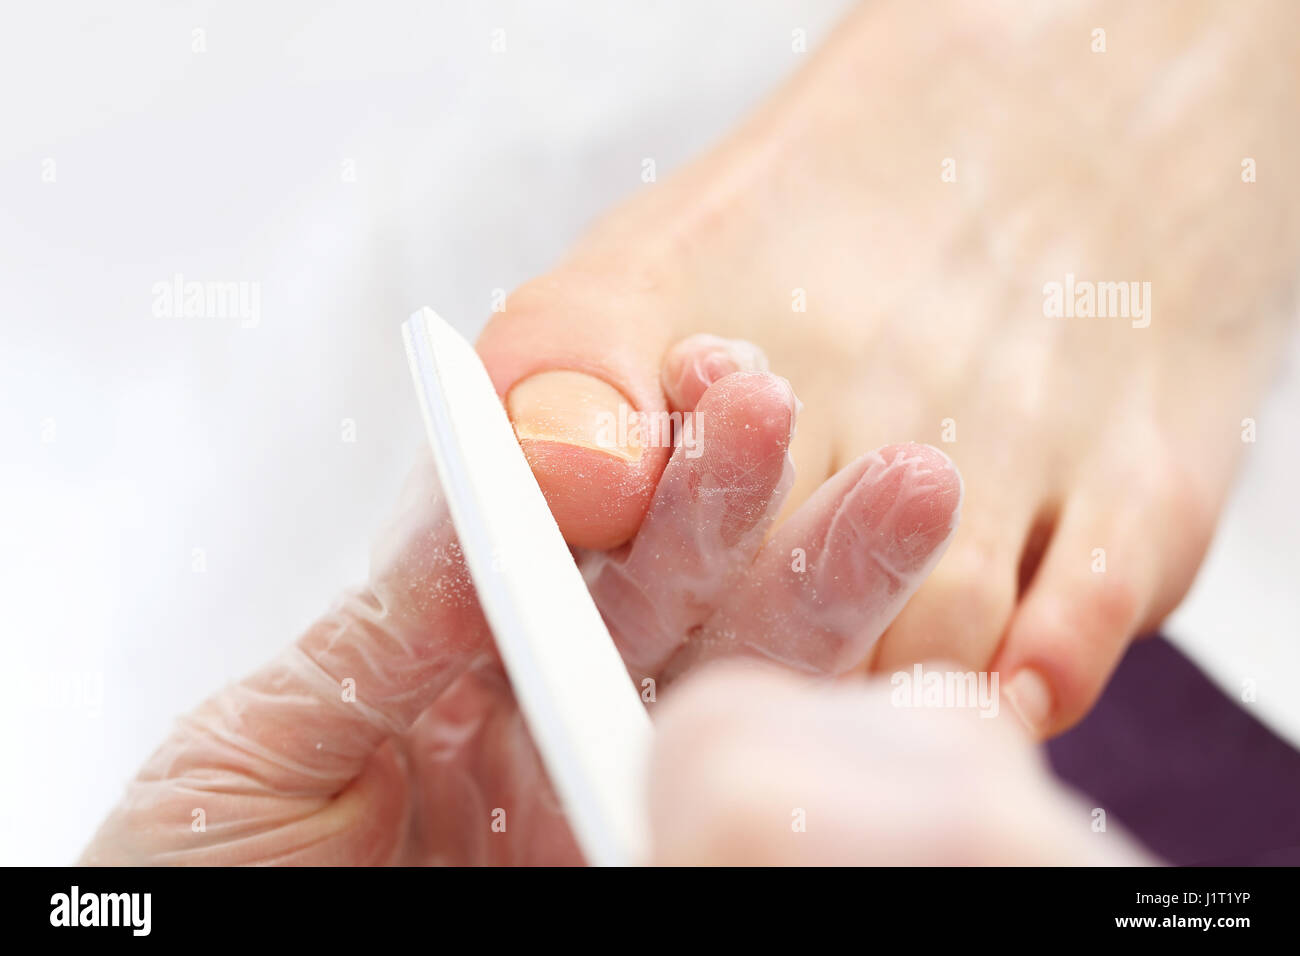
[[756, 767], [389, 734]]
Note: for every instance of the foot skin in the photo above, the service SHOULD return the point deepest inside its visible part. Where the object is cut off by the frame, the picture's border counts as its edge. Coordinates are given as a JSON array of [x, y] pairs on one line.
[[1097, 452], [389, 732]]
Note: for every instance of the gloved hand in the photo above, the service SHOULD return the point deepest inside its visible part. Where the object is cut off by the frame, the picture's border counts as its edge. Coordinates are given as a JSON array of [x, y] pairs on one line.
[[754, 767], [388, 732]]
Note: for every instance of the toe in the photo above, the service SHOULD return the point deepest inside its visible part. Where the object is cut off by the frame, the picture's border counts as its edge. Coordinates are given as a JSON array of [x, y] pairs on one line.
[[1086, 601], [696, 362], [577, 363], [962, 609]]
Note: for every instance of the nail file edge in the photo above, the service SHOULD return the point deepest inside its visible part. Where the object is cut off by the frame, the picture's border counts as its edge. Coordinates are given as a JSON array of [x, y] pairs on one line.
[[583, 709]]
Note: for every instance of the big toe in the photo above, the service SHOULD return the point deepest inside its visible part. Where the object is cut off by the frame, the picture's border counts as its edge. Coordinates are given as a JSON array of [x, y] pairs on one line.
[[578, 366]]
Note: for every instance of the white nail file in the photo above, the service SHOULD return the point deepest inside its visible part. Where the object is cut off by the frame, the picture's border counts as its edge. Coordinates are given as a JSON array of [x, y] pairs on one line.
[[581, 705]]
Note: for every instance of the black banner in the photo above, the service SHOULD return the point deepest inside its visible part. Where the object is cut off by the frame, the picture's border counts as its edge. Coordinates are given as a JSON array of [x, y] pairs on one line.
[[367, 906]]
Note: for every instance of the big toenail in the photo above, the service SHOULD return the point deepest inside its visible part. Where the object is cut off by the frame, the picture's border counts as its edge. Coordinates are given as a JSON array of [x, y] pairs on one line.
[[574, 408]]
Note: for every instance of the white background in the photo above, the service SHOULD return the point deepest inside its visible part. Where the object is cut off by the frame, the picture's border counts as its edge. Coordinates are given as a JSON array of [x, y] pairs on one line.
[[131, 440]]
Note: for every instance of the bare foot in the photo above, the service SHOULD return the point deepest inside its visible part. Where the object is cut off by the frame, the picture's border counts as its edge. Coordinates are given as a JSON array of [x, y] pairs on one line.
[[1096, 451]]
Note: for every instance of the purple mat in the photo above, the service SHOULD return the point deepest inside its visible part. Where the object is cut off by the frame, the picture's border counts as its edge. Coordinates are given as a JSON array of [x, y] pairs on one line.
[[1183, 767]]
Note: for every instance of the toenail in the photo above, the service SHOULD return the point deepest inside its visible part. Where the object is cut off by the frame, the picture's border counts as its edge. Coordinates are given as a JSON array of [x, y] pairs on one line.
[[715, 365], [732, 355], [574, 408], [1031, 699], [697, 362]]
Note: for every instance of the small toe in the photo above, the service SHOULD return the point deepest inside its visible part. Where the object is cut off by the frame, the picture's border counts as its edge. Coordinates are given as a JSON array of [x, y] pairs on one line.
[[696, 362], [1086, 602]]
